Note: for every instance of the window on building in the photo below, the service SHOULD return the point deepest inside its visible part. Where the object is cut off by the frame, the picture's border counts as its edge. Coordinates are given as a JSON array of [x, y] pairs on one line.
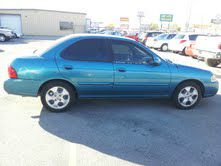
[[64, 25]]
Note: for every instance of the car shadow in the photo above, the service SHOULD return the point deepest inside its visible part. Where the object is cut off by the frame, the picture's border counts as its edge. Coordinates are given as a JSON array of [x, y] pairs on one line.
[[139, 131]]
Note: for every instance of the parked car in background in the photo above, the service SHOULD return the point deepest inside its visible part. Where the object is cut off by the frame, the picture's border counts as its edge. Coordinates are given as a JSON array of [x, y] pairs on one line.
[[208, 48], [182, 40], [133, 35], [147, 37], [101, 66], [6, 34], [190, 51], [15, 34], [161, 41], [110, 32]]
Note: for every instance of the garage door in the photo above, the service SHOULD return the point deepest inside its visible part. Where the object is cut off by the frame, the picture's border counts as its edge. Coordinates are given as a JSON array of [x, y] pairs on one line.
[[11, 21]]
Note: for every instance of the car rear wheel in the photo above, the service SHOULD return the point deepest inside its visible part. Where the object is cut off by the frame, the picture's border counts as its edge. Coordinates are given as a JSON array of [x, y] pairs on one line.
[[211, 62], [184, 52], [164, 47], [57, 96], [2, 38], [187, 95]]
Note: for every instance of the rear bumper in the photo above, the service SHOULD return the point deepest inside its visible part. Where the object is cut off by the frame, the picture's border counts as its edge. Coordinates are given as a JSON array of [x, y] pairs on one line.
[[208, 55], [22, 87]]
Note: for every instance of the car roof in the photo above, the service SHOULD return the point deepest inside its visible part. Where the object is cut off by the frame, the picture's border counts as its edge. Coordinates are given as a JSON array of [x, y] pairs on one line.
[[85, 35]]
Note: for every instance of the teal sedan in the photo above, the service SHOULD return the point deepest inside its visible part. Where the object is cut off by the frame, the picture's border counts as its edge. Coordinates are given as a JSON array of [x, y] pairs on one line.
[[100, 66]]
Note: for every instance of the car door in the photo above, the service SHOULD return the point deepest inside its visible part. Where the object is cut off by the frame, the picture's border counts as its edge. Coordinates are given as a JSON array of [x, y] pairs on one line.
[[89, 66], [134, 76]]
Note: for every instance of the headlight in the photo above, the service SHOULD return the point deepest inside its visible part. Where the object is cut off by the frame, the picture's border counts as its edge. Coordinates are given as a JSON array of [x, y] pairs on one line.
[[213, 78]]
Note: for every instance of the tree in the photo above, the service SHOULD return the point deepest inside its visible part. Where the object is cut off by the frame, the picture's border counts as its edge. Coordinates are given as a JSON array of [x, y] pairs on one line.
[[153, 26]]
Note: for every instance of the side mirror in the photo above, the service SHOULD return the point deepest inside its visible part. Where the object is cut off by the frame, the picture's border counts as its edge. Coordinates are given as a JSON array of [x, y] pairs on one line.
[[156, 61], [34, 51], [148, 60]]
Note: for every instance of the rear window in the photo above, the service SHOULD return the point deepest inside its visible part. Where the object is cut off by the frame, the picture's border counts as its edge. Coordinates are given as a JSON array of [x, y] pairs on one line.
[[193, 37], [87, 50]]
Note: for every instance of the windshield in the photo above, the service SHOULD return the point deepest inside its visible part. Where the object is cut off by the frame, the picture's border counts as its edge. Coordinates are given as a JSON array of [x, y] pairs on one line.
[[142, 35]]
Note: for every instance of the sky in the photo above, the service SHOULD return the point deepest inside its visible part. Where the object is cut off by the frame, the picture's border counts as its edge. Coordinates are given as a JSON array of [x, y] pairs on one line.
[[110, 11]]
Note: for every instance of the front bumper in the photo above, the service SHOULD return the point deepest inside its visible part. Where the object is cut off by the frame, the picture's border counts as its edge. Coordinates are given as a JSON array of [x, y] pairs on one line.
[[176, 47], [22, 87], [208, 55], [211, 89]]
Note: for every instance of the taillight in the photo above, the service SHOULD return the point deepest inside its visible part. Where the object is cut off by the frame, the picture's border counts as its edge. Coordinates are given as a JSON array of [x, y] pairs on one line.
[[192, 45], [12, 72], [219, 46], [182, 41]]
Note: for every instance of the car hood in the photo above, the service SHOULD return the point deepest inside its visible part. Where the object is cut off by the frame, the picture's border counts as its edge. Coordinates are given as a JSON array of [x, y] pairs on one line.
[[194, 70], [5, 30]]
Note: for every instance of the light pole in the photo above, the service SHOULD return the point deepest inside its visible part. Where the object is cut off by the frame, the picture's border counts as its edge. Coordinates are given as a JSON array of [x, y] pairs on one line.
[[189, 15], [140, 15]]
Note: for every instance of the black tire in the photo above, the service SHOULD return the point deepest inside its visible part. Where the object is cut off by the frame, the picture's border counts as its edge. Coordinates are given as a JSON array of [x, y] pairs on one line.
[[144, 42], [180, 88], [184, 52], [211, 62], [162, 48], [3, 38], [48, 86]]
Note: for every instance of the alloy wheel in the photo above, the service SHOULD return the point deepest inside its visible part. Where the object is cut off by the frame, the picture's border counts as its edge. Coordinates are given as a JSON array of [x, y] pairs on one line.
[[188, 96], [57, 97]]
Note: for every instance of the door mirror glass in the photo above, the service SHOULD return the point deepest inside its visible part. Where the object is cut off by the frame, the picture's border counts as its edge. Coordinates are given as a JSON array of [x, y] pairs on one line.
[[156, 61], [148, 59]]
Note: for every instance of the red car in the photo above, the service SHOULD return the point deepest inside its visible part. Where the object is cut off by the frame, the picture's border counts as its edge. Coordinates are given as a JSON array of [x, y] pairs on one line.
[[133, 36]]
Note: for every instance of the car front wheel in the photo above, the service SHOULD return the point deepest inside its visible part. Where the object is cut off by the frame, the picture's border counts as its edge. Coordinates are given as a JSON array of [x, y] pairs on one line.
[[164, 47], [2, 38], [187, 95], [57, 96]]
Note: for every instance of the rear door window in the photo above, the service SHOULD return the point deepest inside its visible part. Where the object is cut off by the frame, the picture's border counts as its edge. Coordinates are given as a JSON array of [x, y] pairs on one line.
[[170, 36], [87, 50]]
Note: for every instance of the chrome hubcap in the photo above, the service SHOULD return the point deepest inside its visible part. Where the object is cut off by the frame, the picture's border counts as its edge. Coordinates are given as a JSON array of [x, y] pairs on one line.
[[188, 96], [57, 97], [2, 38], [164, 48]]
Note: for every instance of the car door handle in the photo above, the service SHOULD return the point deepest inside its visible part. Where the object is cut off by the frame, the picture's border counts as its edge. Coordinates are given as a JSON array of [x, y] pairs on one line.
[[121, 70], [68, 67]]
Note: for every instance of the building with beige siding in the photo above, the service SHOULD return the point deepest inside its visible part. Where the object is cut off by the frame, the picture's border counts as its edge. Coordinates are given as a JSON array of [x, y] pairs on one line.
[[42, 22]]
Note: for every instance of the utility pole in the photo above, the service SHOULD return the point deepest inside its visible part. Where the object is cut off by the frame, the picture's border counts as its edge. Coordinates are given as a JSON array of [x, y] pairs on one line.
[[189, 15], [140, 15]]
